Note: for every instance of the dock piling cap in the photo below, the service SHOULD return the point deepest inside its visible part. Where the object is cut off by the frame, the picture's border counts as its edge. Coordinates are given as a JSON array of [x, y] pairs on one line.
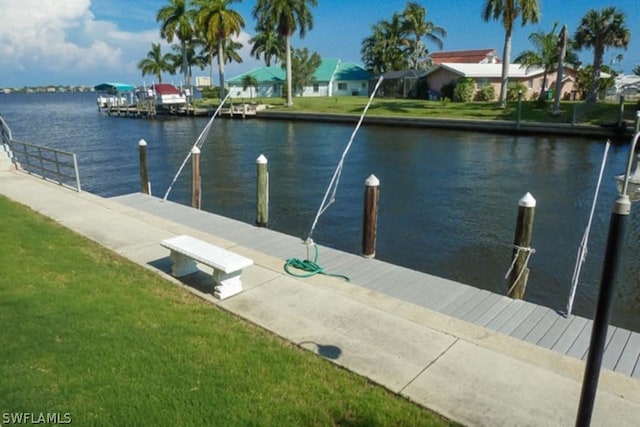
[[372, 181], [527, 201], [261, 160], [195, 150], [142, 143]]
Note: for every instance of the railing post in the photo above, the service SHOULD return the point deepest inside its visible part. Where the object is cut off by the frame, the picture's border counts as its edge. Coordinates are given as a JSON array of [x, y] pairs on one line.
[[144, 172], [262, 191], [195, 178], [370, 216], [522, 247]]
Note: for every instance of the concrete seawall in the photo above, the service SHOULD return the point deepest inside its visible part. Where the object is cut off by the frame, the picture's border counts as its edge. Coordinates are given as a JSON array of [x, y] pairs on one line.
[[492, 126]]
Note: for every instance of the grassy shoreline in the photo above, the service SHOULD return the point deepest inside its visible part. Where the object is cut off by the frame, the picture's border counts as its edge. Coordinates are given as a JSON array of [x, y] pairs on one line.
[[603, 113], [91, 334]]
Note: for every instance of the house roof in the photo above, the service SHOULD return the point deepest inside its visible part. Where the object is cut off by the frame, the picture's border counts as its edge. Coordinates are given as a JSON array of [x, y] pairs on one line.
[[463, 56], [114, 87], [488, 70], [350, 71], [329, 69], [262, 75]]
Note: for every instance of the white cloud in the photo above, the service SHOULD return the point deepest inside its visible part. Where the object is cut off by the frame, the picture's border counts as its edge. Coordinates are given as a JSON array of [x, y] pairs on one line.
[[53, 39]]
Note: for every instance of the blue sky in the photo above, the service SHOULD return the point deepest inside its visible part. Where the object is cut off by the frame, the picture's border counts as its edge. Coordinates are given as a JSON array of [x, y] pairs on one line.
[[86, 42]]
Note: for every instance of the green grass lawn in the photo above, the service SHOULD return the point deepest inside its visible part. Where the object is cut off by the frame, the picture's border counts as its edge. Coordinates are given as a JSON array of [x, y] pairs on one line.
[[598, 114], [86, 332]]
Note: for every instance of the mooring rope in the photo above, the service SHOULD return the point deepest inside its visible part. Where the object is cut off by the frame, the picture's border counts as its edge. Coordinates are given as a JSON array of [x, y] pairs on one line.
[[311, 267], [582, 250], [198, 144], [529, 251]]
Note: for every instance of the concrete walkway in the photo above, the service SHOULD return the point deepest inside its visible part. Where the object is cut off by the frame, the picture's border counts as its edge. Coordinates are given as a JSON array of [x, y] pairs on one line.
[[467, 373]]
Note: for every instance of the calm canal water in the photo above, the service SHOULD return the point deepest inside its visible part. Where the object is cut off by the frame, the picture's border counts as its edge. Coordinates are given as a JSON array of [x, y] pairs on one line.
[[448, 201]]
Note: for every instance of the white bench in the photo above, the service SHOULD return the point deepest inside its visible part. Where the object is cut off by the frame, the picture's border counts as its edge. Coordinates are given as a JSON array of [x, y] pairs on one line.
[[227, 266]]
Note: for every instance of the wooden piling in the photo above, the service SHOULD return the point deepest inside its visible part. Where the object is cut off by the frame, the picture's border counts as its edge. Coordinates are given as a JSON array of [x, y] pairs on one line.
[[195, 178], [522, 247], [262, 191], [144, 172], [370, 216]]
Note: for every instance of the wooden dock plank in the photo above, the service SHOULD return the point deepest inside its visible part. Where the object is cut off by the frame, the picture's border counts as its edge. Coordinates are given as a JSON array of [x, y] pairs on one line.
[[470, 304], [492, 312], [559, 327], [485, 306], [543, 326], [629, 358], [511, 323], [529, 322], [576, 329], [614, 349], [470, 294]]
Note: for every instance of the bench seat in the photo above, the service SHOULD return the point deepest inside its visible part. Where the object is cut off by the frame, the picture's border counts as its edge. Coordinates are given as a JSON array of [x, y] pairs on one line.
[[227, 266]]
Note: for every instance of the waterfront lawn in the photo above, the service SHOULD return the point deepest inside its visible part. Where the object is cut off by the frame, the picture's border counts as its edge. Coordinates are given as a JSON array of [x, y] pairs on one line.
[[601, 113], [86, 332]]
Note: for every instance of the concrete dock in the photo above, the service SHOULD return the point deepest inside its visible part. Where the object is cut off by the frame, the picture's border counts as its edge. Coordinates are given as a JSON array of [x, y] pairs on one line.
[[469, 373]]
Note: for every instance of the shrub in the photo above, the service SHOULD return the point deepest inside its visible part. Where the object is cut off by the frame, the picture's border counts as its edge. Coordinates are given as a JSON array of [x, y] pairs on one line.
[[513, 89], [210, 92], [464, 89], [487, 93]]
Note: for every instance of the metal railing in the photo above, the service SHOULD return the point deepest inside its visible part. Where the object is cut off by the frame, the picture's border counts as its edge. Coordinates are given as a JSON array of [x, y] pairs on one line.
[[47, 163]]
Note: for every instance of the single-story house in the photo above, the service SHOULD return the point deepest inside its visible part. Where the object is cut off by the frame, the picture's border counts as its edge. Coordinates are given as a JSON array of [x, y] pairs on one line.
[[491, 74], [477, 56], [333, 77], [400, 84]]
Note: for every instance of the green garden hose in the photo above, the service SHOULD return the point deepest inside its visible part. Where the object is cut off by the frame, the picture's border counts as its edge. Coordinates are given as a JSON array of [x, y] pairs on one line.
[[311, 268]]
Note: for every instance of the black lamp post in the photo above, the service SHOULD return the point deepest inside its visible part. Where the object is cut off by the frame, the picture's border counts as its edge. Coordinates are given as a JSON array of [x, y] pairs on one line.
[[619, 215]]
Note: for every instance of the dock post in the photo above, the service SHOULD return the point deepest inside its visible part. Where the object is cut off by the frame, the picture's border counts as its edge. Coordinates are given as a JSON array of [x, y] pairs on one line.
[[370, 216], [195, 178], [519, 110], [262, 192], [522, 251], [144, 172]]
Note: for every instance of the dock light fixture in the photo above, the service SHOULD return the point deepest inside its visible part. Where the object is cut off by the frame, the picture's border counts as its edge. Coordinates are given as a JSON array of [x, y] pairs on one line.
[[619, 215]]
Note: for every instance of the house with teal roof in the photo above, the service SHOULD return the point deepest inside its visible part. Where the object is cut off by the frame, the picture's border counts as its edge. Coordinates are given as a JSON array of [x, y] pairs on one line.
[[332, 78]]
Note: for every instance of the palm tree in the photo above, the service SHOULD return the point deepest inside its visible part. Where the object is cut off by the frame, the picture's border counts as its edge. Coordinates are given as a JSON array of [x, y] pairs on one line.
[[287, 17], [268, 44], [600, 30], [249, 81], [415, 23], [218, 23], [192, 59], [508, 11], [544, 55], [176, 21], [156, 63], [382, 52]]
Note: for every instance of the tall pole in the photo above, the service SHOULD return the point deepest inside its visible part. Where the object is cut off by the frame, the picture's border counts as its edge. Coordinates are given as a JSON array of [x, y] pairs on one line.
[[370, 216], [144, 173], [262, 192], [522, 250], [619, 215], [195, 178]]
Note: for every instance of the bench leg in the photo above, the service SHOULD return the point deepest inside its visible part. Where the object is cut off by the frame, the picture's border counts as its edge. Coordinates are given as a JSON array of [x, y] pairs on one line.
[[226, 284], [182, 265]]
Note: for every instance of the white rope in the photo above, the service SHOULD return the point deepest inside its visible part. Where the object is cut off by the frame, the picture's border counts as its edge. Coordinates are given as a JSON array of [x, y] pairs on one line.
[[199, 143], [529, 251], [335, 180], [582, 250]]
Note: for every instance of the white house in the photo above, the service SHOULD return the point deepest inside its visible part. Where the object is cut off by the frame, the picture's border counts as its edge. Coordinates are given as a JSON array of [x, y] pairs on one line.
[[332, 78]]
